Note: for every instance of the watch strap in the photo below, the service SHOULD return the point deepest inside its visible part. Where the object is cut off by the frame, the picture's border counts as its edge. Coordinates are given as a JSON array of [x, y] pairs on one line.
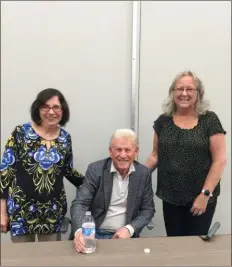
[[204, 192]]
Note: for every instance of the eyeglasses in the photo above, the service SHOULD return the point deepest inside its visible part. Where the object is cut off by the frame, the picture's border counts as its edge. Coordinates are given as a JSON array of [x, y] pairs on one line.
[[47, 108], [189, 90]]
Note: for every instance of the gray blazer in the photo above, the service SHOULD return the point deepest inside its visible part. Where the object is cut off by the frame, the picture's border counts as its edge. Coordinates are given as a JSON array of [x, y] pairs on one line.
[[95, 195]]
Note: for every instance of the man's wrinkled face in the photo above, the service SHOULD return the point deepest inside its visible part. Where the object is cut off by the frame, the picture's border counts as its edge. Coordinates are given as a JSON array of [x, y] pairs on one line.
[[123, 152]]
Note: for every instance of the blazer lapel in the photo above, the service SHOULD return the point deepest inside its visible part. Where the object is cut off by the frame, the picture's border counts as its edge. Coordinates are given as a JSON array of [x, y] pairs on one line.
[[108, 185], [132, 193]]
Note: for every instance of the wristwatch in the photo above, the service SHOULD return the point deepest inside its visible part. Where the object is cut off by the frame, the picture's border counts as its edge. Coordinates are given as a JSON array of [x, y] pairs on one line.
[[206, 192]]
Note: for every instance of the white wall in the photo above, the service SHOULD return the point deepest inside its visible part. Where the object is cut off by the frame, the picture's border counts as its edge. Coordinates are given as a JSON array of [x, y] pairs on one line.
[[183, 35], [83, 49]]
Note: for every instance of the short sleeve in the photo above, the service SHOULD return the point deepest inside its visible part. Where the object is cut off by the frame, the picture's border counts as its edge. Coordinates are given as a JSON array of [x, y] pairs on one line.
[[8, 163], [214, 124], [158, 124]]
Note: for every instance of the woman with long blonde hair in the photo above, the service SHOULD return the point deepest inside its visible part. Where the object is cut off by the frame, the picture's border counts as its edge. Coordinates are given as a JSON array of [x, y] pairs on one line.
[[190, 155]]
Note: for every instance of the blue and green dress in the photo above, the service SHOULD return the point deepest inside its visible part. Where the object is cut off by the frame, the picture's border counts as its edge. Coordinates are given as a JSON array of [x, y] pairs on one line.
[[32, 180]]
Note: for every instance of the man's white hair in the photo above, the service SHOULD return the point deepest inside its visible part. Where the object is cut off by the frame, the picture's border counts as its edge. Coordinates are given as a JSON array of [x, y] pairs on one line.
[[128, 133]]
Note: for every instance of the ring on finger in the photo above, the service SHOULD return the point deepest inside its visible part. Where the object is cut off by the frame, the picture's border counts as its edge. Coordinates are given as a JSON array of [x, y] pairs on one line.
[[195, 212]]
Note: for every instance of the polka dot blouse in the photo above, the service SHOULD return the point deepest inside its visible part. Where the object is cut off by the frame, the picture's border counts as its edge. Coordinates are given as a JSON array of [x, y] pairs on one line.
[[184, 158]]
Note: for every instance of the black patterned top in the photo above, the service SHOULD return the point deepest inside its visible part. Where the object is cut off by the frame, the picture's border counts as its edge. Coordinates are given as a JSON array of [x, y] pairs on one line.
[[32, 180], [184, 158]]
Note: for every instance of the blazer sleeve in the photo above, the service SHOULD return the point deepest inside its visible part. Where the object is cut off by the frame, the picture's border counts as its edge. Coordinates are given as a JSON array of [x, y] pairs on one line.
[[84, 196], [147, 209]]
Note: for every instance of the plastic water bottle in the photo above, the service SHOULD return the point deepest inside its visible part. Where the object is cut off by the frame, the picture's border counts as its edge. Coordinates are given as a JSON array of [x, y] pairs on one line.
[[88, 232]]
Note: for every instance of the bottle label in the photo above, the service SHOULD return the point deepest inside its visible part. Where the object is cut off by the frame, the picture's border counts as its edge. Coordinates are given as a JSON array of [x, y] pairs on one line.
[[88, 231]]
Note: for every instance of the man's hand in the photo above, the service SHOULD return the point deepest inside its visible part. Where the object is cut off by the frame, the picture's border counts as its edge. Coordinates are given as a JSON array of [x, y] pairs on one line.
[[199, 204], [4, 222], [122, 233], [79, 242]]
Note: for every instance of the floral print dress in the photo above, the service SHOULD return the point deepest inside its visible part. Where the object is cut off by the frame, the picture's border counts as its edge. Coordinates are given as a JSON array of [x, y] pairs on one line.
[[32, 180]]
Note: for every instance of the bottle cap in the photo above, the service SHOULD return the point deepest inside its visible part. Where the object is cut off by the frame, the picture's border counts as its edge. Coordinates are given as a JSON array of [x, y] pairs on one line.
[[88, 213]]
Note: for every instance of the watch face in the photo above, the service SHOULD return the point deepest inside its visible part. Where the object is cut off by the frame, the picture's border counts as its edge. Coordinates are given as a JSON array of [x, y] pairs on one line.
[[207, 193]]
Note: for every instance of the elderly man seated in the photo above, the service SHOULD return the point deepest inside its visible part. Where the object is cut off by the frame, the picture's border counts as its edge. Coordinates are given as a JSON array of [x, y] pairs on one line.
[[118, 192]]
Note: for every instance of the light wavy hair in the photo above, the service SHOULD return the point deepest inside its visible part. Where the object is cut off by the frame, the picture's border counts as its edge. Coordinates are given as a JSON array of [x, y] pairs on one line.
[[201, 105], [128, 133]]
